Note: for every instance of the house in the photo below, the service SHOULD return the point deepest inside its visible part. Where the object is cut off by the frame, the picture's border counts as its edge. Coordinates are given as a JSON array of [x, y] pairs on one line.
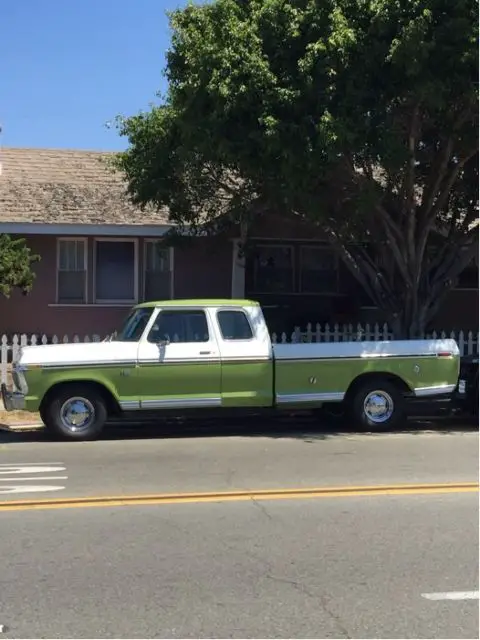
[[100, 254]]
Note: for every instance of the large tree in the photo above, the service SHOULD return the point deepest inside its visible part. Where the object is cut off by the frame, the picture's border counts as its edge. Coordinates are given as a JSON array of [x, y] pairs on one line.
[[16, 260], [358, 115]]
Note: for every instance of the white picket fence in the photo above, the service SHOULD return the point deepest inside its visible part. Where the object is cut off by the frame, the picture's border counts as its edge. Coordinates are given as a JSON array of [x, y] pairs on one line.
[[468, 341]]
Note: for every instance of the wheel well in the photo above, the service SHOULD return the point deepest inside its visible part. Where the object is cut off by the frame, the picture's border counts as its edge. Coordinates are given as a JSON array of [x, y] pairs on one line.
[[400, 384], [113, 407]]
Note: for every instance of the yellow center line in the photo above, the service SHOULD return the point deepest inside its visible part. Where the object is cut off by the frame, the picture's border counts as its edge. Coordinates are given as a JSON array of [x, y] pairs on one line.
[[240, 496]]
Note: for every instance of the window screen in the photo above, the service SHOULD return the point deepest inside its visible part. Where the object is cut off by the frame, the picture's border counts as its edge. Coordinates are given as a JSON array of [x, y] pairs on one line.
[[72, 271], [157, 277], [115, 271]]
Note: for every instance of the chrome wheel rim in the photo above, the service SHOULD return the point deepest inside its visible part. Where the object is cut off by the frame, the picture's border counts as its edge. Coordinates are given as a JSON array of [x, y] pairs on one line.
[[378, 406], [77, 414]]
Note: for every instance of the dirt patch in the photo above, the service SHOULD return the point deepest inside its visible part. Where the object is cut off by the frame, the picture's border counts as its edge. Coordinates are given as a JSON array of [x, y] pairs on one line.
[[9, 418]]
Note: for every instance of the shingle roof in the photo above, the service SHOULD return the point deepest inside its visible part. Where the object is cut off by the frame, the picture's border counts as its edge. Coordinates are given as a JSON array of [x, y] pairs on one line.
[[66, 186]]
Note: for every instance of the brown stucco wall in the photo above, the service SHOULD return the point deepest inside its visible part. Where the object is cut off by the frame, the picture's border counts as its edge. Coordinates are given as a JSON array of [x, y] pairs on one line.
[[201, 269], [33, 313]]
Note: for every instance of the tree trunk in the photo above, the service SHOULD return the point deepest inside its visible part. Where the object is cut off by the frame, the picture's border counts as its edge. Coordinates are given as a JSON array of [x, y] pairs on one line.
[[410, 326], [411, 323]]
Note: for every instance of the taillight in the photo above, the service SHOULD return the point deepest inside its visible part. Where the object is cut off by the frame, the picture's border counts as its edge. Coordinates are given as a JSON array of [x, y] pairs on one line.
[[444, 354]]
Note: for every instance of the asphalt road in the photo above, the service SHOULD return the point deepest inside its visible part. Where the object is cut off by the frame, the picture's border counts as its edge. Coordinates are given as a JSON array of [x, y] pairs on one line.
[[347, 566], [132, 462]]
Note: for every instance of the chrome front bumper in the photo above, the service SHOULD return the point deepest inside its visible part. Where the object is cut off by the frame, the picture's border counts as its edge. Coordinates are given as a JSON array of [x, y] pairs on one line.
[[12, 400]]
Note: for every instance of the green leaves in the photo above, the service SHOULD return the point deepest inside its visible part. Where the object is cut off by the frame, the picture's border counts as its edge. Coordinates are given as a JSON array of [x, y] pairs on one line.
[[16, 260], [358, 115]]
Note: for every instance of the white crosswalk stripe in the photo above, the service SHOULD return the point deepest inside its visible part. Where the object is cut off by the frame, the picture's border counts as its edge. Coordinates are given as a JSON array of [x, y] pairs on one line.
[[25, 477], [452, 595]]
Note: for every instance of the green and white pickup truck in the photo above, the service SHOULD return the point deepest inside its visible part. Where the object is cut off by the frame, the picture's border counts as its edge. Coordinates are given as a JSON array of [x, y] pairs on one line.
[[182, 355]]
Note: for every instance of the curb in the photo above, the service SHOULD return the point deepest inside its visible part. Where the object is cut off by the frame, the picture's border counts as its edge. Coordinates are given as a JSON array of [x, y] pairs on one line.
[[20, 426]]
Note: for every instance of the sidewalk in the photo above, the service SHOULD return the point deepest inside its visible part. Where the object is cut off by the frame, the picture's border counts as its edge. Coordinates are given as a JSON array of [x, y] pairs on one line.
[[18, 419]]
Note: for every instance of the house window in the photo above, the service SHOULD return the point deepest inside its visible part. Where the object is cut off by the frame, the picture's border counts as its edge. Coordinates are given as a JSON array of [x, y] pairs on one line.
[[319, 272], [273, 269], [180, 326], [234, 325], [116, 271], [158, 270], [71, 270]]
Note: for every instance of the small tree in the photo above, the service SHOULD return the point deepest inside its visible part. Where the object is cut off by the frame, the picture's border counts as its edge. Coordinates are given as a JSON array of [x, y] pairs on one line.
[[16, 261], [359, 116]]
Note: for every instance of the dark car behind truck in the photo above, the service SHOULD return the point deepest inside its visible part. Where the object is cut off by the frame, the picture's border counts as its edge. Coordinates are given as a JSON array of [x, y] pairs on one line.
[[466, 397]]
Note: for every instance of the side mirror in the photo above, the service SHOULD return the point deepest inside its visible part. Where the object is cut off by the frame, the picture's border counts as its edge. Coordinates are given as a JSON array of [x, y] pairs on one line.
[[163, 343]]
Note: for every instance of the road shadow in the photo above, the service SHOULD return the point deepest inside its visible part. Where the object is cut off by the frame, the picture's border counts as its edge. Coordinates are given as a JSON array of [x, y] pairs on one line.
[[304, 427]]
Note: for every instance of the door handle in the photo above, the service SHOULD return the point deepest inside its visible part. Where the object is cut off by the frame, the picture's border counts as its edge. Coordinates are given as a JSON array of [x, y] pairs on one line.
[[205, 353]]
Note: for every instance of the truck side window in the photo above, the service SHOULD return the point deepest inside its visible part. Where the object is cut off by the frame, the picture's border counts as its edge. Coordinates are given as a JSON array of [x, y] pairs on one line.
[[234, 325], [180, 326]]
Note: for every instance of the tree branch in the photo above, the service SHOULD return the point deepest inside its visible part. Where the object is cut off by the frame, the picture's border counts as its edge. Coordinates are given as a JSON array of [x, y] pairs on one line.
[[409, 188], [437, 174], [429, 218], [395, 240], [447, 187], [451, 265]]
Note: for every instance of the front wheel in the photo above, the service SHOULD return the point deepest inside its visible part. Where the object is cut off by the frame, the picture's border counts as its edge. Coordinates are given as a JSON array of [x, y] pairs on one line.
[[377, 406], [75, 412]]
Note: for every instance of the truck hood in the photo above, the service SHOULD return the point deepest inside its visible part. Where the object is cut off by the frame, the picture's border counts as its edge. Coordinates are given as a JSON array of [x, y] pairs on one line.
[[78, 354]]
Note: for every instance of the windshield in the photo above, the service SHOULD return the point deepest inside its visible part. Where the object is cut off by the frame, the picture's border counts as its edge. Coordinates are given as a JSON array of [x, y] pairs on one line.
[[134, 326]]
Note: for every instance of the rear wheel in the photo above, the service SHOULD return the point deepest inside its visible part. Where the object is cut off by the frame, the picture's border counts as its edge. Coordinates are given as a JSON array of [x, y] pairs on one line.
[[377, 405], [75, 412]]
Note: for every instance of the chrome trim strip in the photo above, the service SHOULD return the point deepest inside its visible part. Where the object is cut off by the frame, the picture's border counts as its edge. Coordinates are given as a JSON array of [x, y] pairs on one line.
[[247, 360], [203, 360], [85, 365], [145, 362], [294, 398], [359, 357], [428, 354], [182, 403], [129, 405], [228, 360], [165, 363], [436, 390]]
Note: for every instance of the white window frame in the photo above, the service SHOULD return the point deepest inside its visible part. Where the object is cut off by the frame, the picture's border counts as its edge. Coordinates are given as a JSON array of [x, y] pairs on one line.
[[171, 261], [291, 248], [84, 240], [319, 247], [126, 303]]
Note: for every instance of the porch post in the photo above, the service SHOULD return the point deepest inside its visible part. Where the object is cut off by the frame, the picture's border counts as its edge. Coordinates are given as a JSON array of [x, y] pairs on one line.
[[238, 271]]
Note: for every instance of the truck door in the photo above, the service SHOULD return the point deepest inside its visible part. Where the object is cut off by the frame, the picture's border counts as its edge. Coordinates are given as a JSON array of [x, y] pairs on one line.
[[246, 357], [179, 362]]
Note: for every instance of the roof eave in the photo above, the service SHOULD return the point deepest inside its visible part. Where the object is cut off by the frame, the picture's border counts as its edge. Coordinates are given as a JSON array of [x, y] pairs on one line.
[[61, 229]]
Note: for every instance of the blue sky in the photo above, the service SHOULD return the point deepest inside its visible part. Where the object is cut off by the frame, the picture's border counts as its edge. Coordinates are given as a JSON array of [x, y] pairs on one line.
[[69, 66]]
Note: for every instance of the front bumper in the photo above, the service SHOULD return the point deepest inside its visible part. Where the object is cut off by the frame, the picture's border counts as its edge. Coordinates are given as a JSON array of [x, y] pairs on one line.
[[12, 400]]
